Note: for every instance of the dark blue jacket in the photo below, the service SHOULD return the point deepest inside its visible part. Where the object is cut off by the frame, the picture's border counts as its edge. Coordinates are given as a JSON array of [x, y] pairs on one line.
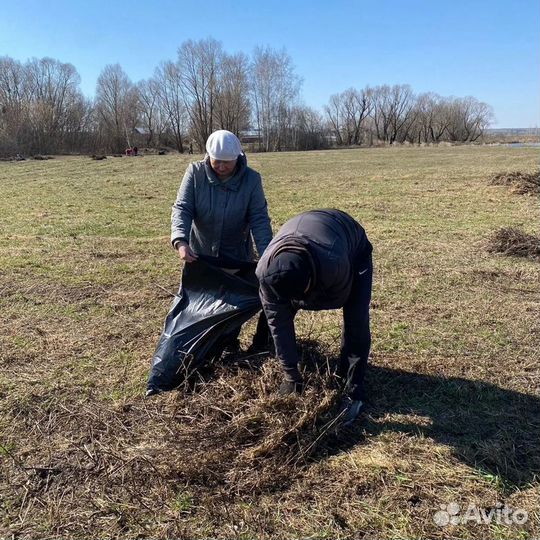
[[337, 246]]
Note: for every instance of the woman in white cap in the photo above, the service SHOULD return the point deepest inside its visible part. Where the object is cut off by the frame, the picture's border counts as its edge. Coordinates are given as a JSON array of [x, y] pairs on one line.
[[220, 205]]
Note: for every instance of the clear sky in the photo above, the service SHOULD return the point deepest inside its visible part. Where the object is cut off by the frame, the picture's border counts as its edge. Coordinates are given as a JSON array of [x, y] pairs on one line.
[[487, 49]]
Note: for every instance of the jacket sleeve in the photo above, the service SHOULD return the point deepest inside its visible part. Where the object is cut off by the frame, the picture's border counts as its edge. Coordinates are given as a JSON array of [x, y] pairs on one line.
[[280, 316], [183, 210], [258, 218]]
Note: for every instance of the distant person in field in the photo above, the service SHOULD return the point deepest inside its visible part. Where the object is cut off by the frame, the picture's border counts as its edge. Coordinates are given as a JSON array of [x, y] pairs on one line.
[[320, 259], [219, 208]]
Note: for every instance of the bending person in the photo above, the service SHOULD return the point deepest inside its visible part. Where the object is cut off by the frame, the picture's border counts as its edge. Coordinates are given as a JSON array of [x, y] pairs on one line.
[[320, 259], [219, 207]]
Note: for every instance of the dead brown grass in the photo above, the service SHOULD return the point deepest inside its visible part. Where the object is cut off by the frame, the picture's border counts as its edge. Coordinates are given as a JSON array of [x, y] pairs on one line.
[[515, 242], [520, 182], [228, 458], [227, 439]]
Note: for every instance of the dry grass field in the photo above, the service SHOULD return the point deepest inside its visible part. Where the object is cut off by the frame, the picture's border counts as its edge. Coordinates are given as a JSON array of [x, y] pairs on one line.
[[453, 415]]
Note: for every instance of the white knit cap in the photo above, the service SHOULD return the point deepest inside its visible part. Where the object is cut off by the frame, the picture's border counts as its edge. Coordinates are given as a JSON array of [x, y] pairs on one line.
[[223, 145]]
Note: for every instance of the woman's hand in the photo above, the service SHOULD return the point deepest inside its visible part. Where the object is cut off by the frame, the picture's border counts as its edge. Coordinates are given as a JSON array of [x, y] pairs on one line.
[[185, 252]]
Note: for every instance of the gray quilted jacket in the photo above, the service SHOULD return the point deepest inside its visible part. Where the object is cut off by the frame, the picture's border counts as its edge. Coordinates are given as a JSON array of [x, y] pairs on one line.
[[218, 218]]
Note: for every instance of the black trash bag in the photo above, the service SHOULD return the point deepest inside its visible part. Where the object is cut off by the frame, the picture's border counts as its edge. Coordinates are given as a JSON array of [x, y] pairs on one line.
[[210, 306]]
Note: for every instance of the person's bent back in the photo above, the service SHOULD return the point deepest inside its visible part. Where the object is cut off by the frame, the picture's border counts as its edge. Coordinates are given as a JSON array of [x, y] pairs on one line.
[[320, 259]]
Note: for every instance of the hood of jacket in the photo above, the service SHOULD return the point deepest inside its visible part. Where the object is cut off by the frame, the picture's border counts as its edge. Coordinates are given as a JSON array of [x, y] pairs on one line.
[[234, 181], [294, 244]]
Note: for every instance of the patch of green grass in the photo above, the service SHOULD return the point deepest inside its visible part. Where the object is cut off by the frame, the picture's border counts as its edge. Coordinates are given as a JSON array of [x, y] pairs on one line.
[[183, 502], [6, 449]]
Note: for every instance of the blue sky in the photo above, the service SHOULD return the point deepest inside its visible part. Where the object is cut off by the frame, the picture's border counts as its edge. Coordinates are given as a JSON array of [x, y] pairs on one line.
[[487, 49]]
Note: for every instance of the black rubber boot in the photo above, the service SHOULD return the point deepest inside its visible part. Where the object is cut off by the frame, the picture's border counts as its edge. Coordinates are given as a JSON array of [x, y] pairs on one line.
[[262, 341], [350, 410]]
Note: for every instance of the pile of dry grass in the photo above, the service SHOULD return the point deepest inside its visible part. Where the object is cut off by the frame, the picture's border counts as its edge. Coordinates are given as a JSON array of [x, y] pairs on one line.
[[520, 182], [242, 436], [226, 438], [514, 242]]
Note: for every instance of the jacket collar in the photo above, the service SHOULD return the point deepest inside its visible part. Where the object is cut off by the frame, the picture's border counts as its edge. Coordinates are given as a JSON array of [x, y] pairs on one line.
[[232, 183]]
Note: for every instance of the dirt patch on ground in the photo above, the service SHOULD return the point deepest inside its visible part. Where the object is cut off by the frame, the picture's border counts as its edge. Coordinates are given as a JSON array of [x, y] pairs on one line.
[[520, 182], [514, 242]]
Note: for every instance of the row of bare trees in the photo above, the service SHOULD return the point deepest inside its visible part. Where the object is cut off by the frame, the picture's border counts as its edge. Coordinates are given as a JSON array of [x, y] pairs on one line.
[[42, 109], [206, 89], [41, 106], [394, 114]]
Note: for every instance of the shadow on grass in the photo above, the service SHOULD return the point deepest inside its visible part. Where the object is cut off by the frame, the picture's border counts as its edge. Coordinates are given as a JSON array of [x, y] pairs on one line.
[[492, 429]]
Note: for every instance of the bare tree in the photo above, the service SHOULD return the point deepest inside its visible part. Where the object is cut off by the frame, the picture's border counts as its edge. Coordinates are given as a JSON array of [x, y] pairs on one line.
[[381, 112], [199, 63], [306, 129], [393, 112], [116, 106], [40, 103], [357, 105], [80, 135], [347, 113], [14, 101], [468, 119], [431, 119], [171, 103], [148, 97], [334, 113], [232, 107], [55, 95], [274, 89]]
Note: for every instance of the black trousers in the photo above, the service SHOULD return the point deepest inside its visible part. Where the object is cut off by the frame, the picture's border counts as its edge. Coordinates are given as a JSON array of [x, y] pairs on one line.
[[261, 340], [356, 335]]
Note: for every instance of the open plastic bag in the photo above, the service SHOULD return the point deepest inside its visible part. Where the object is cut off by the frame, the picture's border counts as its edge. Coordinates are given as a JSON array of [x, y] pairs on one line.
[[211, 304]]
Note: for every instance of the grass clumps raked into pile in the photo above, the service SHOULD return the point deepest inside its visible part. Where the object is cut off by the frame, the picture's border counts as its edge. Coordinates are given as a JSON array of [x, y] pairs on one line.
[[512, 241], [515, 242], [244, 439], [520, 182]]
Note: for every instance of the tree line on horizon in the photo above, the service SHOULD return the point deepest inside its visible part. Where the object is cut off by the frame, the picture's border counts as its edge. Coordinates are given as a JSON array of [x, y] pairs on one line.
[[43, 110]]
